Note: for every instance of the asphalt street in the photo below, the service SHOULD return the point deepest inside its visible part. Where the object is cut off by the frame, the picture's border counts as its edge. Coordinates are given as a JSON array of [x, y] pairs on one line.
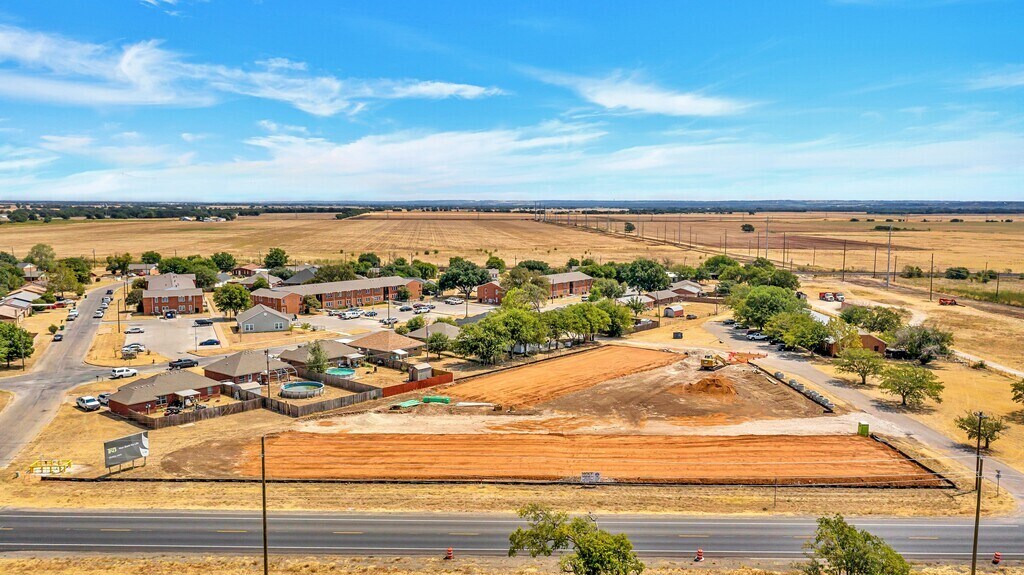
[[405, 534]]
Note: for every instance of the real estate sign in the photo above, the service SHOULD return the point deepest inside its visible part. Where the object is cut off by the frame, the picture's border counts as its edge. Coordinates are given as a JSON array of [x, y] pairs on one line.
[[126, 449]]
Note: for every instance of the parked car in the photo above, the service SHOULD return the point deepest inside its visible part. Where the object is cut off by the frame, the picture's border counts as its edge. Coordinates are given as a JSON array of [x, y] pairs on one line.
[[104, 398], [182, 363], [106, 299], [405, 308], [454, 301], [134, 347], [211, 341], [98, 314], [88, 403], [135, 329], [389, 321], [203, 321], [421, 310], [58, 337], [370, 313], [170, 314], [110, 292], [756, 336], [729, 321], [691, 316], [119, 372], [740, 326], [418, 305], [349, 314], [429, 306]]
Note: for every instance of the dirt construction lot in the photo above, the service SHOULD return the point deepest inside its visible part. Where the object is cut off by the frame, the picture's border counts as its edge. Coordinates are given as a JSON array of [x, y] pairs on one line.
[[811, 460], [548, 380]]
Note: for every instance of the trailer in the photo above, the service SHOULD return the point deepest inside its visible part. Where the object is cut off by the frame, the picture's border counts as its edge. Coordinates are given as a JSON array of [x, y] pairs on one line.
[[947, 301]]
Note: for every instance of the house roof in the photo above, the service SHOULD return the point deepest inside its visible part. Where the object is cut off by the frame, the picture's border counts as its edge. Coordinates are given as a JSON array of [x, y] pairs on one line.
[[333, 349], [628, 298], [567, 277], [271, 279], [11, 312], [258, 310], [386, 341], [18, 303], [446, 328], [663, 294], [344, 286], [675, 307], [172, 292], [224, 276], [266, 292], [165, 383], [171, 282], [141, 266], [24, 296], [244, 363], [495, 284], [301, 276], [300, 267], [248, 267], [23, 265]]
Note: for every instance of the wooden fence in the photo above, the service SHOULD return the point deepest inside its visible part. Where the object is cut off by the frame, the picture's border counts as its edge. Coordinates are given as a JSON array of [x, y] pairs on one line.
[[248, 403], [440, 377], [325, 405], [647, 325]]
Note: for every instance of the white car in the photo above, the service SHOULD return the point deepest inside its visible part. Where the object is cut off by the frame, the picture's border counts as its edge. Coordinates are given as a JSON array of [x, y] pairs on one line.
[[88, 403], [119, 372], [454, 301], [350, 314], [421, 310], [104, 398], [757, 337], [98, 314], [135, 329], [134, 347]]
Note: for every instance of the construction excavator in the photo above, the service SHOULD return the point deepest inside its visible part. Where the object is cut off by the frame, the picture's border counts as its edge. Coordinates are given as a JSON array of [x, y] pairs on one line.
[[711, 362]]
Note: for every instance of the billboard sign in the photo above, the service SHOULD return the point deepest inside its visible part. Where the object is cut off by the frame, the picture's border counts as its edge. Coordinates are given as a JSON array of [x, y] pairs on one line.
[[126, 449], [590, 477]]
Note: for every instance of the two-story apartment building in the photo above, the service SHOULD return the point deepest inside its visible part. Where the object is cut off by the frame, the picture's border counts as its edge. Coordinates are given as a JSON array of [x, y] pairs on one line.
[[172, 292], [569, 283], [337, 295]]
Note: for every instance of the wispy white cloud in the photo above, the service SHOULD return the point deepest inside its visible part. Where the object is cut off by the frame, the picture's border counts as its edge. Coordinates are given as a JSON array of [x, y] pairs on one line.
[[116, 155], [627, 93], [13, 159], [1010, 77], [275, 128], [191, 138], [45, 67]]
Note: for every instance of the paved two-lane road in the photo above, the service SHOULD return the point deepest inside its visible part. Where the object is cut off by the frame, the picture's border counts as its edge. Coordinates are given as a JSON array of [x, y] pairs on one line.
[[410, 534]]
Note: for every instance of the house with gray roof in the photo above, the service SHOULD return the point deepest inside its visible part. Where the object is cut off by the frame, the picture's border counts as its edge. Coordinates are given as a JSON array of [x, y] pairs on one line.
[[425, 332], [261, 319], [248, 365], [162, 390], [337, 353]]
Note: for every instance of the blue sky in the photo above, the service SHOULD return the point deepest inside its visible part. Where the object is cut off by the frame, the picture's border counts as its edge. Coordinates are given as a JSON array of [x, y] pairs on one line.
[[242, 100]]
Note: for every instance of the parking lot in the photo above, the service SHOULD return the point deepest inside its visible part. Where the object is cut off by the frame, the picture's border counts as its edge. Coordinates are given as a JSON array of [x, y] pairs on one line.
[[172, 338], [367, 324]]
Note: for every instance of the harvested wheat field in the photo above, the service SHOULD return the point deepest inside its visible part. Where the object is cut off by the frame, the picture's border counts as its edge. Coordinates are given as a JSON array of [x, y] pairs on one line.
[[684, 395], [548, 380], [750, 459]]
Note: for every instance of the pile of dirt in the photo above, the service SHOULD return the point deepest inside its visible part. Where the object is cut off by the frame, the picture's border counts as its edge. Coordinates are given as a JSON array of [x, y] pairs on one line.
[[743, 357], [713, 385]]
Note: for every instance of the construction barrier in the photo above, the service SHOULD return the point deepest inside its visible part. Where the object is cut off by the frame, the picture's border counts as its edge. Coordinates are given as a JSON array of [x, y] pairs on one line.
[[450, 554], [997, 558], [699, 557]]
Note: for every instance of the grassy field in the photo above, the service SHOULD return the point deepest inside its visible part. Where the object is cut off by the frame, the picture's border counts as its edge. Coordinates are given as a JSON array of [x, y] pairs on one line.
[[6, 398], [321, 565]]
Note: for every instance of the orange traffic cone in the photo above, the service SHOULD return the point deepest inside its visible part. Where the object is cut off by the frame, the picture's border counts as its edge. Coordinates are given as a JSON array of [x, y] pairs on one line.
[[699, 557], [450, 554], [997, 558]]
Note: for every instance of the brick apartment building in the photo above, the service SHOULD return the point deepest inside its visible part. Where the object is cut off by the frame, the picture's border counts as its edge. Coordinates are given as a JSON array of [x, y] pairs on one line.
[[337, 295], [569, 283], [172, 292]]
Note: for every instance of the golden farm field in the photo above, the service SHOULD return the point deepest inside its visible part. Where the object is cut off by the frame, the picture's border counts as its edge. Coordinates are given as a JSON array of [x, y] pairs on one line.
[[313, 237]]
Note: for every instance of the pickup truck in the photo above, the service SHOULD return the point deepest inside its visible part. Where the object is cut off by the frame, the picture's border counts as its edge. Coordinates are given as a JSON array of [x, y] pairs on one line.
[[182, 363]]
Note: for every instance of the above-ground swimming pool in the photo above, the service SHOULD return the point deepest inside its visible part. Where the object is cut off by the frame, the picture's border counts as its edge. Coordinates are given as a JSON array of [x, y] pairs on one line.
[[341, 371], [302, 389]]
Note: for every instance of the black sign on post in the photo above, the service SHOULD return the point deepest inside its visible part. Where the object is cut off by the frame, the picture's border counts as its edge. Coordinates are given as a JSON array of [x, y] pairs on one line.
[[126, 450]]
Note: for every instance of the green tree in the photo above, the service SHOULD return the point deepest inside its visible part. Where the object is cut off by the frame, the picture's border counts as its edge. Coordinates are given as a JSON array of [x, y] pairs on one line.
[[913, 384], [747, 228], [415, 322], [527, 296], [118, 263], [310, 303], [371, 259], [862, 362], [629, 228], [276, 257], [224, 261], [424, 270], [463, 275], [1018, 391], [15, 343], [206, 276], [715, 264], [758, 305], [8, 258], [839, 548], [844, 336], [483, 340], [259, 283], [316, 360], [334, 273], [495, 263], [520, 327], [594, 551], [884, 319], [620, 320], [62, 279], [924, 343], [42, 255], [957, 273], [52, 329], [796, 329], [81, 267], [607, 287], [636, 305], [438, 343], [232, 298], [402, 293], [134, 297], [991, 427], [151, 257], [646, 275], [535, 266], [11, 278], [518, 277]]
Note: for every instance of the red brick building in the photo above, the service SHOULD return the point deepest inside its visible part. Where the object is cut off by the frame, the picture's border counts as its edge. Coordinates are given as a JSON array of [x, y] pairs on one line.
[[284, 302], [246, 270], [155, 393], [157, 302], [337, 295], [246, 366], [489, 292], [569, 283]]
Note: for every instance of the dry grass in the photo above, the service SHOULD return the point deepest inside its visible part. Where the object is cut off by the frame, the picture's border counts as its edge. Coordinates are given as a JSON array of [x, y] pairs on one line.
[[967, 389], [6, 398], [231, 341], [106, 350], [694, 333], [39, 324], [18, 564]]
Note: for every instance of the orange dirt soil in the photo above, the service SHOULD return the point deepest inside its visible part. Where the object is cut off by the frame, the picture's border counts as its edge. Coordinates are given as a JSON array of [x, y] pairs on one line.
[[762, 459], [551, 379], [711, 385]]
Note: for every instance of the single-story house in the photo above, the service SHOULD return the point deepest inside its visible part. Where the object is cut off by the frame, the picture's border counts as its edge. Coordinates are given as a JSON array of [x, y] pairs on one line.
[[687, 288], [272, 280], [246, 366], [388, 344], [282, 301], [490, 292], [22, 296], [425, 332], [296, 268], [627, 299], [337, 353], [662, 297], [30, 271], [223, 278], [171, 281], [161, 390], [569, 283], [260, 319], [873, 342], [142, 269], [674, 310], [247, 270], [301, 276], [12, 314]]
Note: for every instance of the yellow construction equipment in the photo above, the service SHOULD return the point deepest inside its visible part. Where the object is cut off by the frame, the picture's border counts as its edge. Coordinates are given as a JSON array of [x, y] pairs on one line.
[[710, 361]]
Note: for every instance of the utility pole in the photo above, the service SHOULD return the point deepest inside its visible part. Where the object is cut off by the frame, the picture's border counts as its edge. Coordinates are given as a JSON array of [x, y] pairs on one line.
[[767, 222], [888, 258], [977, 488], [842, 273], [931, 278], [874, 264], [263, 484]]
